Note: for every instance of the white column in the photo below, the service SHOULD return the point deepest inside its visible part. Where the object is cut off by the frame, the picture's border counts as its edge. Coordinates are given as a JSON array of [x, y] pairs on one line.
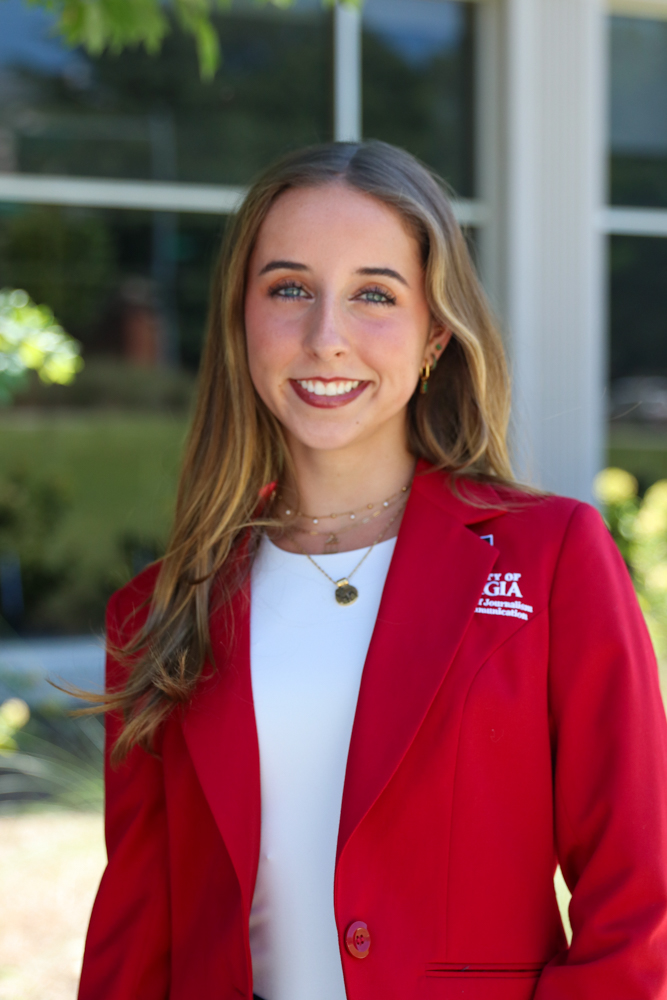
[[542, 154], [347, 73]]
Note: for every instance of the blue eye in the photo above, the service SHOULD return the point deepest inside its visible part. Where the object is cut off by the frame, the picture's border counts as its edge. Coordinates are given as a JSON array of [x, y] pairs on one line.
[[288, 291], [377, 295]]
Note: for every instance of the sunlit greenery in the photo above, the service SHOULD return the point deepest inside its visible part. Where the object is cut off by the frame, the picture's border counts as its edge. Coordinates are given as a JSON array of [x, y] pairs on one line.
[[639, 526], [117, 473], [30, 338], [14, 713], [55, 759], [114, 25]]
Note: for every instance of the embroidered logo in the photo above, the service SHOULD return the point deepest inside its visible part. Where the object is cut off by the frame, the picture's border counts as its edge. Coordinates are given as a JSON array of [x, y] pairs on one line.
[[497, 594]]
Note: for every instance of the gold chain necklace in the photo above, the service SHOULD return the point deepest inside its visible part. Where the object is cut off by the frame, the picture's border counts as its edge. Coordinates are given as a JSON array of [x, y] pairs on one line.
[[345, 592], [332, 538], [351, 514]]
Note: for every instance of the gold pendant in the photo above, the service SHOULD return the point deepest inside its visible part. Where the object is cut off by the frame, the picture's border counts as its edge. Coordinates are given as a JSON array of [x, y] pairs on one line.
[[345, 592]]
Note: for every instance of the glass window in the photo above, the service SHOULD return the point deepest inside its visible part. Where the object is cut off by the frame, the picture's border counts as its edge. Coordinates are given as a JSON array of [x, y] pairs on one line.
[[418, 69], [138, 116], [638, 280], [638, 111], [127, 284]]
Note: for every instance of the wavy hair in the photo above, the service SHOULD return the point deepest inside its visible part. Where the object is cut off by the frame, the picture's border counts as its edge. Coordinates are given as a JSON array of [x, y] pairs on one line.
[[236, 446]]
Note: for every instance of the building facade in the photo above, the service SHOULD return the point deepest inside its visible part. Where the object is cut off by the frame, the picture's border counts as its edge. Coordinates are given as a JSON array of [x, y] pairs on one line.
[[548, 118]]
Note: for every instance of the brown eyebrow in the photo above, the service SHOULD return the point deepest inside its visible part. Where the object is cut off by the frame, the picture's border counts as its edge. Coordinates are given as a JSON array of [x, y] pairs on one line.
[[387, 272], [285, 265]]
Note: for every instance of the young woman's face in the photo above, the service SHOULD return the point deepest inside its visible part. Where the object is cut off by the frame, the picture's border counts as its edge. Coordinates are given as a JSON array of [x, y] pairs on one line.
[[337, 321]]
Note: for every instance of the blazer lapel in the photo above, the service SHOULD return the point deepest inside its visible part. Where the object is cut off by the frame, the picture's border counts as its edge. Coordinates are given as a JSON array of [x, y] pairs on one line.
[[435, 580], [221, 734]]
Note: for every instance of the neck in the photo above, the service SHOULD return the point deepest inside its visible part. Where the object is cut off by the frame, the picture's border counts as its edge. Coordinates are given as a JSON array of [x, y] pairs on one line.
[[340, 480]]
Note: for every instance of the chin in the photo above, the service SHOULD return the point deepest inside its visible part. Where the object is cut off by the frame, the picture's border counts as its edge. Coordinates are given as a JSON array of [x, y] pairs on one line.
[[325, 442], [322, 437]]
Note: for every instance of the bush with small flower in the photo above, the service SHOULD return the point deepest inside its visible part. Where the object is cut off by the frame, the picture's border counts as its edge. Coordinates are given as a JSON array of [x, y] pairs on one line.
[[639, 527], [14, 713]]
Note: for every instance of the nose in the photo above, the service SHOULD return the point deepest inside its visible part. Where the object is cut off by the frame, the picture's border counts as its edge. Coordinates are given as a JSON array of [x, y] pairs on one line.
[[325, 336]]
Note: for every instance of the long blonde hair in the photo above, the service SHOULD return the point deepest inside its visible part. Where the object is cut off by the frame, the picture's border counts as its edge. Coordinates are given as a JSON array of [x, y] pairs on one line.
[[236, 446]]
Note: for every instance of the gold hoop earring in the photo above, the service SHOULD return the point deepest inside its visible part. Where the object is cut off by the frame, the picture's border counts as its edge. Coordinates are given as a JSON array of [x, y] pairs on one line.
[[424, 375]]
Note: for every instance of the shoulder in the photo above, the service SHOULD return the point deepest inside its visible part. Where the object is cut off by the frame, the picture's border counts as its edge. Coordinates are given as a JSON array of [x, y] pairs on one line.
[[545, 518], [560, 549], [546, 524], [540, 535], [552, 522]]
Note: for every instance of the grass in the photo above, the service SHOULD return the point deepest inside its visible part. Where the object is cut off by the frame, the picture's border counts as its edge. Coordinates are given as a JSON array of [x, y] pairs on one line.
[[640, 449], [119, 471]]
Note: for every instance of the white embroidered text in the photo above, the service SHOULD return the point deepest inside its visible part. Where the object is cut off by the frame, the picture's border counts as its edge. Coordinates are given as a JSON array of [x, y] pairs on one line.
[[503, 585]]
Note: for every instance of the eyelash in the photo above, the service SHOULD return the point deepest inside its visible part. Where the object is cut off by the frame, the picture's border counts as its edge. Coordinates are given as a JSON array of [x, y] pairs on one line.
[[283, 286], [288, 285], [387, 298]]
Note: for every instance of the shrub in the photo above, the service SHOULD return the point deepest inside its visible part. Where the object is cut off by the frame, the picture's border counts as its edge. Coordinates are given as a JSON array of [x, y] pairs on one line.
[[639, 527]]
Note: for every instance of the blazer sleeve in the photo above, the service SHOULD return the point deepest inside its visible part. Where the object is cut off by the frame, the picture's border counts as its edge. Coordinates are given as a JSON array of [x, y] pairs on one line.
[[128, 941], [610, 776]]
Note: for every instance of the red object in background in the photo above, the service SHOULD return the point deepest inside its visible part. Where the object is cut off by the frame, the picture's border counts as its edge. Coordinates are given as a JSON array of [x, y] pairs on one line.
[[133, 325], [141, 330], [509, 717], [142, 336]]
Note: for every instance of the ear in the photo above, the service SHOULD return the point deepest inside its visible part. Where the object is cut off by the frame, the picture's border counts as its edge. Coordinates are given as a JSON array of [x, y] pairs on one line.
[[436, 344]]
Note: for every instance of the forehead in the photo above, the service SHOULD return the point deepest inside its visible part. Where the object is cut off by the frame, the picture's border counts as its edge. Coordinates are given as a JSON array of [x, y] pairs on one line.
[[313, 222]]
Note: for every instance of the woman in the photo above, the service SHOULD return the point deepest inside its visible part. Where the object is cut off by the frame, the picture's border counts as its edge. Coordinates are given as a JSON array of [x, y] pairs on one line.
[[375, 691]]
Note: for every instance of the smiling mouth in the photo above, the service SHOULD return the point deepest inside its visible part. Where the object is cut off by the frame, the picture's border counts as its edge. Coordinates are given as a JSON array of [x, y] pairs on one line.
[[327, 393]]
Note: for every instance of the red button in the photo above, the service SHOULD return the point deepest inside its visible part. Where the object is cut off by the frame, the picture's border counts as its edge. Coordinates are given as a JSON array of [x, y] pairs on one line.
[[358, 939]]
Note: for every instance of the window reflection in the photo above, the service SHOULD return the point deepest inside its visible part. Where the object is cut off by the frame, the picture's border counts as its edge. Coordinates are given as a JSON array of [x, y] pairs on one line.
[[127, 284], [638, 111], [418, 72], [144, 117], [638, 279]]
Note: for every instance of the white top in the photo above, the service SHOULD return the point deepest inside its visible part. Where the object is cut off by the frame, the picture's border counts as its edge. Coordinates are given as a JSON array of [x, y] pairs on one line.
[[307, 654]]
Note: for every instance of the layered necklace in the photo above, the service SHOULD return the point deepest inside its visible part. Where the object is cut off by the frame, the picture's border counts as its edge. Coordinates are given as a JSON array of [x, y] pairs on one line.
[[350, 519], [345, 592]]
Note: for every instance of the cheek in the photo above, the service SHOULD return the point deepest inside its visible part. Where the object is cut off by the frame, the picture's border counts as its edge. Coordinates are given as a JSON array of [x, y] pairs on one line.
[[256, 327], [396, 350], [269, 344]]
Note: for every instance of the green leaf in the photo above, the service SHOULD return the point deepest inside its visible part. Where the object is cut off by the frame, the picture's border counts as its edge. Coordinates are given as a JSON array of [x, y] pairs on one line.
[[208, 49], [194, 17], [114, 24], [98, 25]]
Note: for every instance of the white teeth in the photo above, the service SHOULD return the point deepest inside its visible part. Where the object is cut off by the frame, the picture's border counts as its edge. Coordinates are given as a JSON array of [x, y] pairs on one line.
[[319, 388]]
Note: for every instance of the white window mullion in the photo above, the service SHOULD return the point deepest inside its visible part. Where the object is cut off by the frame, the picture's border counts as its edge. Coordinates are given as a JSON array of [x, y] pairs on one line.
[[347, 73], [617, 220]]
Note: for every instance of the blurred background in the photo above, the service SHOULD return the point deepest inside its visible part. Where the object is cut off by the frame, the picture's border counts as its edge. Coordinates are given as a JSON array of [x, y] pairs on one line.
[[117, 176]]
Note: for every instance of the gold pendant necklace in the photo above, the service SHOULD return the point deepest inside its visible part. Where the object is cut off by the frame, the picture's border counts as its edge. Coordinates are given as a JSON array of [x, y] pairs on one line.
[[346, 593]]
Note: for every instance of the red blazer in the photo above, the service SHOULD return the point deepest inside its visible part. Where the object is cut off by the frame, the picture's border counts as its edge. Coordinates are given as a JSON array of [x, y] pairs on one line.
[[509, 718]]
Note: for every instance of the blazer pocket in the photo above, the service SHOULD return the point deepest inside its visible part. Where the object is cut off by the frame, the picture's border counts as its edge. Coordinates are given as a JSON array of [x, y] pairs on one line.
[[479, 981]]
